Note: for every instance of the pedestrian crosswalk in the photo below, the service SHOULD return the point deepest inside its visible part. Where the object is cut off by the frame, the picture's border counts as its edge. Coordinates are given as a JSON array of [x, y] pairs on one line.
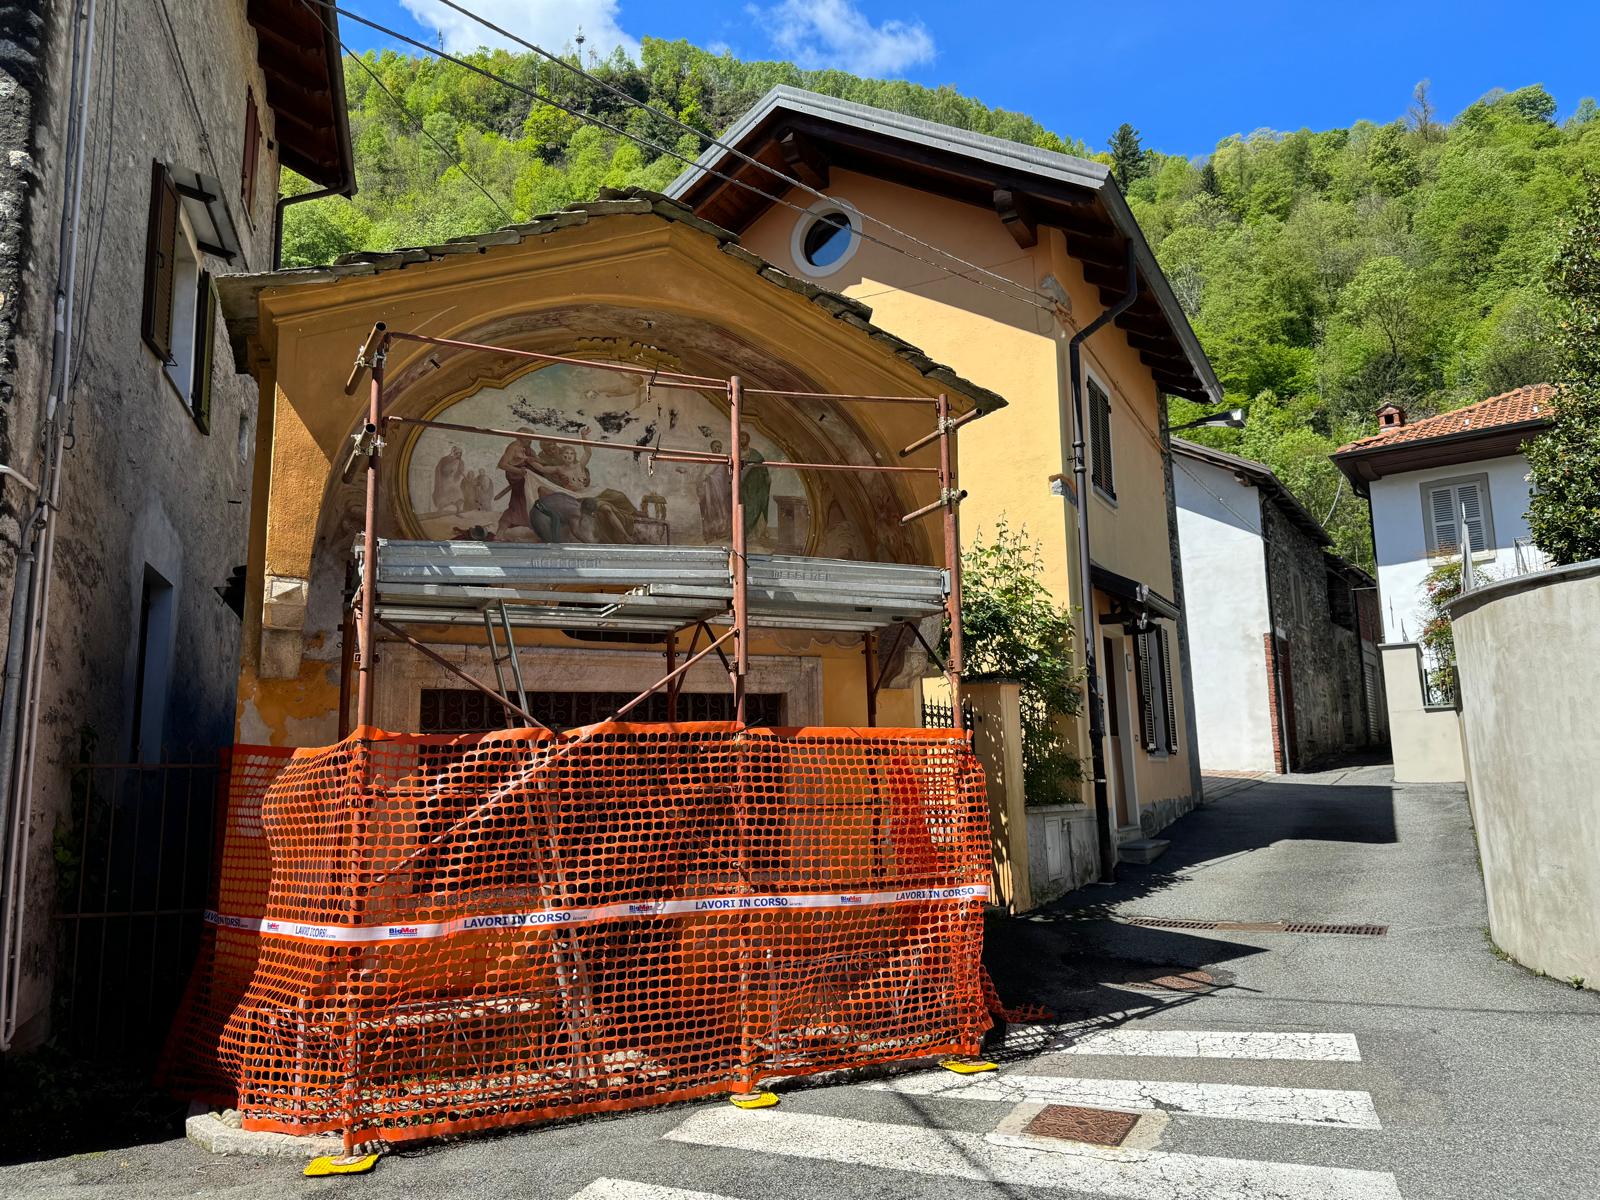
[[986, 1141]]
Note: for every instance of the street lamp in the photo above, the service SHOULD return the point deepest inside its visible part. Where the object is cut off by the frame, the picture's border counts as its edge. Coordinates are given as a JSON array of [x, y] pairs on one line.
[[1232, 419]]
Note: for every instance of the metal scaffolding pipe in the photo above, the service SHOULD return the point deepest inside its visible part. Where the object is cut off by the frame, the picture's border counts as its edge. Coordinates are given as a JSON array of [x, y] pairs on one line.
[[369, 538], [952, 556], [736, 557], [658, 378]]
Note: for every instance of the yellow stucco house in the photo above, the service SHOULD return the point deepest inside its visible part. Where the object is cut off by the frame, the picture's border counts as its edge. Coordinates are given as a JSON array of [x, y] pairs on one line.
[[624, 298], [1040, 247]]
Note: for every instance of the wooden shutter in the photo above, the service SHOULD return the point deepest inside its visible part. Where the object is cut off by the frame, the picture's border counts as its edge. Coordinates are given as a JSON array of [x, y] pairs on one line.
[[205, 322], [1147, 706], [1469, 504], [1442, 534], [160, 259], [1167, 692], [252, 154], [1100, 438]]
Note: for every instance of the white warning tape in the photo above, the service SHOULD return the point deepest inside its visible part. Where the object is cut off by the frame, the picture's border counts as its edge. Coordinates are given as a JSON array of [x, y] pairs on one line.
[[543, 917]]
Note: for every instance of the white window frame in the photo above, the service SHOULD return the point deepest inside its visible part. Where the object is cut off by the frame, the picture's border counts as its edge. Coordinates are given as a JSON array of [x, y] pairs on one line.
[[828, 206], [1485, 516], [187, 265]]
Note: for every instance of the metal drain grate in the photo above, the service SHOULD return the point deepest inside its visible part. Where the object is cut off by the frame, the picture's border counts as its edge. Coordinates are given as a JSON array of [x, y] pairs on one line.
[[1257, 926], [1097, 1126], [1359, 930]]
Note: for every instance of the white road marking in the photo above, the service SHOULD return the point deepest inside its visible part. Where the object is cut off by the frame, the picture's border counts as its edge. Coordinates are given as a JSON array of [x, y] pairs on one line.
[[1101, 1171], [626, 1189], [1292, 1106], [1183, 1043]]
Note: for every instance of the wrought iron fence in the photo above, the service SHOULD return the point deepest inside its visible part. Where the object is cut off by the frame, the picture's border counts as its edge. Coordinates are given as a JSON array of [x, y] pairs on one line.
[[133, 872], [937, 713], [1438, 677]]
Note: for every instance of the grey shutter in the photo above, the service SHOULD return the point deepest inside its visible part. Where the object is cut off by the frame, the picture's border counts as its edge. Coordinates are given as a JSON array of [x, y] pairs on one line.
[[1167, 692], [160, 260], [1470, 504], [1147, 707], [205, 323], [1442, 536]]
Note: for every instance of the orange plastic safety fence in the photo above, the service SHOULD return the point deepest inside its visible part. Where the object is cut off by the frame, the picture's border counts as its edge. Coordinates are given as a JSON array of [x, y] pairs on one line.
[[421, 935]]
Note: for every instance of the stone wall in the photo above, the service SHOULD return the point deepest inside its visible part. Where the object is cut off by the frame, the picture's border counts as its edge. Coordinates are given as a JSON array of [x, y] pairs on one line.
[[22, 45], [144, 488], [1324, 659]]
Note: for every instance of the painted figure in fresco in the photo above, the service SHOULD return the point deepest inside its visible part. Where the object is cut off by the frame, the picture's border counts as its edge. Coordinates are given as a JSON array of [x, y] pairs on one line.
[[477, 491], [711, 491], [569, 508], [755, 486], [448, 476], [518, 457]]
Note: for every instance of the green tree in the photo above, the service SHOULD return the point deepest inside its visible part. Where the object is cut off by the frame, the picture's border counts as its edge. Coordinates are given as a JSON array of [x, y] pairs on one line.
[[1564, 515], [1127, 156], [1013, 627]]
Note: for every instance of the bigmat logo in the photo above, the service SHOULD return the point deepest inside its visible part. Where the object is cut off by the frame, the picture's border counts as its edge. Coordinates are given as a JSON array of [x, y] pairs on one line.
[[404, 931]]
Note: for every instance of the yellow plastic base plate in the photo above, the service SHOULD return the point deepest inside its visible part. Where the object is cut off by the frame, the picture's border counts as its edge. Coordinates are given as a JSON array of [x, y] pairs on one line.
[[753, 1100], [962, 1067], [341, 1164]]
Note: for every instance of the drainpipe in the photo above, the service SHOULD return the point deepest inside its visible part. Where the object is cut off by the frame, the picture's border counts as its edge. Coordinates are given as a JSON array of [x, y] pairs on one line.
[[1080, 481], [346, 185]]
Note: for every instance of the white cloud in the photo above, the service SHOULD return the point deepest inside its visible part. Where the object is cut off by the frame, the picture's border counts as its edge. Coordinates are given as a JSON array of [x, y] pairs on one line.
[[552, 24], [835, 33]]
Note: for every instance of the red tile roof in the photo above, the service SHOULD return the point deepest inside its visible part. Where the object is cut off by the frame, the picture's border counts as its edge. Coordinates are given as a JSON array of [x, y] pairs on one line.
[[1532, 403]]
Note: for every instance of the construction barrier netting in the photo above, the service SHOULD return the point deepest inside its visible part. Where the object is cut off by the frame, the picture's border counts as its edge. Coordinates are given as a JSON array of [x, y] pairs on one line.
[[412, 936]]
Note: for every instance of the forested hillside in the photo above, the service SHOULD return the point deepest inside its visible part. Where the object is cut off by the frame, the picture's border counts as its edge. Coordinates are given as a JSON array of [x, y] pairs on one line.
[[1325, 272]]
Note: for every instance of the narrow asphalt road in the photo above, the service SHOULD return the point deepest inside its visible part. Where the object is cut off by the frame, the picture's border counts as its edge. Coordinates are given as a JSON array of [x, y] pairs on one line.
[[1414, 1064]]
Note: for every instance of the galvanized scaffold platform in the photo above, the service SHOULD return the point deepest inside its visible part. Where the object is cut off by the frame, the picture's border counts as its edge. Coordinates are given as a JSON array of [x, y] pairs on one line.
[[720, 593]]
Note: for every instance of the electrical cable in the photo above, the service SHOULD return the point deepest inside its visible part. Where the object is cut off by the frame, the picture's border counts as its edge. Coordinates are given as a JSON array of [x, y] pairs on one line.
[[405, 112], [701, 134], [1041, 304]]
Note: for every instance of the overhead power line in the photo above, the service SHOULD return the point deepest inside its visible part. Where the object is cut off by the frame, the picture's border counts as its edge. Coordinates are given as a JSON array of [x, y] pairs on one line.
[[1024, 295], [405, 112], [577, 69]]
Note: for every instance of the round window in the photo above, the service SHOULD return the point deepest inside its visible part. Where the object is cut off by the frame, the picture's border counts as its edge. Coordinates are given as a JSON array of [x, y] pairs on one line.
[[824, 240]]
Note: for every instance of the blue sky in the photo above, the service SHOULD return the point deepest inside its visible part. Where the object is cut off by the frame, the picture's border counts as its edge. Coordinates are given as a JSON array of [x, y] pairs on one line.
[[1185, 72]]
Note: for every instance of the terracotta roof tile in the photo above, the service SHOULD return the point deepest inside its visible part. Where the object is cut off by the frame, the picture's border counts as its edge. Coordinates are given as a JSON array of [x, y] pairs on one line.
[[1532, 403]]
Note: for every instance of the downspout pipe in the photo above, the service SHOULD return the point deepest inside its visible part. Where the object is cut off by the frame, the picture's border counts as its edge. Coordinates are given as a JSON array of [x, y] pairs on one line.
[[1080, 480], [347, 183]]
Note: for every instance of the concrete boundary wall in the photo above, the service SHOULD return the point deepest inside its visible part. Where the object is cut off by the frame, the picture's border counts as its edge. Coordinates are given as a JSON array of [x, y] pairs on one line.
[[1526, 650], [1426, 738]]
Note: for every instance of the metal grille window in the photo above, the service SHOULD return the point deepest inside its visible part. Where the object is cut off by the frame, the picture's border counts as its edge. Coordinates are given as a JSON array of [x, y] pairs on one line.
[[465, 710], [1100, 439]]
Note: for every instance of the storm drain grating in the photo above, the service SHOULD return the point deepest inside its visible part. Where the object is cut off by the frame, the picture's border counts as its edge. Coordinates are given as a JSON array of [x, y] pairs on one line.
[[1257, 926], [1097, 1126]]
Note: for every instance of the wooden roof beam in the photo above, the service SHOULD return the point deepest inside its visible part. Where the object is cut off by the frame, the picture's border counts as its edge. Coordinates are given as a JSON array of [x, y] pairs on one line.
[[1017, 215], [1101, 251], [803, 158]]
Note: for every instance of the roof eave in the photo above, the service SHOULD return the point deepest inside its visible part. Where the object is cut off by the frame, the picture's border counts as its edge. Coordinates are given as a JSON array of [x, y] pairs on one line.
[[1082, 173]]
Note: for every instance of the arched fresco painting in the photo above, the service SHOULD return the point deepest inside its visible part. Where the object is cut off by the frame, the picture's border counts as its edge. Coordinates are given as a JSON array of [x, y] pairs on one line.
[[467, 485]]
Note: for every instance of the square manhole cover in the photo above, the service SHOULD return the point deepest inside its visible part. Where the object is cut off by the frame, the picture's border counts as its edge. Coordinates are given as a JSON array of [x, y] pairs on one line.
[[1097, 1126]]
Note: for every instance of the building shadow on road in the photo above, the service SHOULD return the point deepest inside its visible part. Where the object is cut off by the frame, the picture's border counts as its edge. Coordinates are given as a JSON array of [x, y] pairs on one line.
[[1078, 958]]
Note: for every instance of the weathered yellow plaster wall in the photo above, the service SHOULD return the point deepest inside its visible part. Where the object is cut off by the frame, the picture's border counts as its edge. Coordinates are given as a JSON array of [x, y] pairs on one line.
[[531, 294], [1006, 460]]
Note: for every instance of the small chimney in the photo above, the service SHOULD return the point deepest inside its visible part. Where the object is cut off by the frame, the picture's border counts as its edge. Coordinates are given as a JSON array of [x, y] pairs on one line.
[[1391, 416]]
